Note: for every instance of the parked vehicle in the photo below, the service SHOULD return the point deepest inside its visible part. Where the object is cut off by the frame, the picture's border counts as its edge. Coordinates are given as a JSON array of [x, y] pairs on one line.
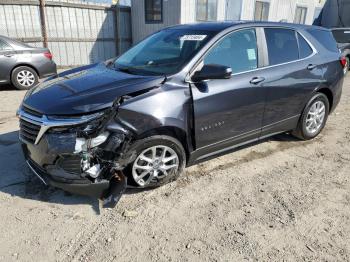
[[335, 16], [23, 65], [183, 95]]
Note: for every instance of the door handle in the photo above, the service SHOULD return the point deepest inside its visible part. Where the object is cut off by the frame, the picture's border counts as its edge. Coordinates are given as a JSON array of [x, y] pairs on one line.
[[257, 80], [9, 55], [311, 67]]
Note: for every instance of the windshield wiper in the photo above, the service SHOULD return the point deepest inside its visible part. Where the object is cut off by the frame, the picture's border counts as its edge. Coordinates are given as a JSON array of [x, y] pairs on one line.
[[125, 70]]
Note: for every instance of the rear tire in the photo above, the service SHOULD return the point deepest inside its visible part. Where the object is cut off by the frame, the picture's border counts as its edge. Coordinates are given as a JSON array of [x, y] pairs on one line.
[[158, 160], [313, 118], [24, 78]]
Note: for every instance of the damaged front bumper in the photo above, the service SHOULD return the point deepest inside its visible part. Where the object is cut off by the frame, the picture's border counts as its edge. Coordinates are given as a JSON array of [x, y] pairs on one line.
[[88, 188], [79, 158]]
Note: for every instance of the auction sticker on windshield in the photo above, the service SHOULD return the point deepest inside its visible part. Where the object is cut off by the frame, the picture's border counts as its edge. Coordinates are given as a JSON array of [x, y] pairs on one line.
[[193, 37]]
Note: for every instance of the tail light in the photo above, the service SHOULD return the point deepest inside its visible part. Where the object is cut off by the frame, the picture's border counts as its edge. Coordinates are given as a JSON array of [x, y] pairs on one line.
[[343, 61], [48, 55]]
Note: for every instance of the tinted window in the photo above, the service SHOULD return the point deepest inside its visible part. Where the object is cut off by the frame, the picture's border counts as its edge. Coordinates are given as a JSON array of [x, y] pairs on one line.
[[163, 53], [341, 35], [4, 46], [282, 45], [261, 11], [325, 38], [237, 50], [206, 10], [153, 11], [304, 48]]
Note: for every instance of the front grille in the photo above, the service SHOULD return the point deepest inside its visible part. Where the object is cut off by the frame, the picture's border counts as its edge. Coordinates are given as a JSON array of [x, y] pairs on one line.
[[70, 164], [32, 112], [28, 131]]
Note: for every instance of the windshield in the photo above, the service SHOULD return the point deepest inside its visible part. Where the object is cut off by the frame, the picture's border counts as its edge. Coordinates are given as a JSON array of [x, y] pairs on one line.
[[163, 53]]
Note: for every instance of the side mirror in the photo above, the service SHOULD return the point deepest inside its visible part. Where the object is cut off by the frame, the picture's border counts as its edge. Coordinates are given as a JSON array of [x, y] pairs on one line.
[[212, 71]]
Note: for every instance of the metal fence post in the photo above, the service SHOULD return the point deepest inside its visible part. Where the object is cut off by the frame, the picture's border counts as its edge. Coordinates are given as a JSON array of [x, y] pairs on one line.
[[117, 36], [43, 22]]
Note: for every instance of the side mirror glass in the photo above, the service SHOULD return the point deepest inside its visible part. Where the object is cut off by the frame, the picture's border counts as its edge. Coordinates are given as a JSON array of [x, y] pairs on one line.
[[212, 71]]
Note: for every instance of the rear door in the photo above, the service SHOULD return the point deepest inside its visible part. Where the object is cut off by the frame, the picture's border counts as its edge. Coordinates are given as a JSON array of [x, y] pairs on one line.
[[7, 60], [293, 71]]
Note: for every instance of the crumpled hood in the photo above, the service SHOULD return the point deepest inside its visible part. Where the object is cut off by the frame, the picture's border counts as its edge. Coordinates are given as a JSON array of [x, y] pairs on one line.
[[85, 89]]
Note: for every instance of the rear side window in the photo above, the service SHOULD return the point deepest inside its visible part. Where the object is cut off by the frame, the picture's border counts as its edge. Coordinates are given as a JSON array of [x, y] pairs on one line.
[[325, 38], [4, 46], [237, 50], [304, 48], [282, 45]]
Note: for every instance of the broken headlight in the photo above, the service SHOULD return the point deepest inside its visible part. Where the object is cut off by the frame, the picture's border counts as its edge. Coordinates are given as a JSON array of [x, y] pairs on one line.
[[83, 144], [83, 125], [91, 127]]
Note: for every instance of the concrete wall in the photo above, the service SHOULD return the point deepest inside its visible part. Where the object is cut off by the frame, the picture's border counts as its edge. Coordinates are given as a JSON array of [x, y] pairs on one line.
[[174, 12], [171, 16], [282, 9]]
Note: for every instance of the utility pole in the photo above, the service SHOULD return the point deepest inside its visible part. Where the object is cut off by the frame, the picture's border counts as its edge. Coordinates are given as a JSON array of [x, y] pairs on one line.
[[43, 22]]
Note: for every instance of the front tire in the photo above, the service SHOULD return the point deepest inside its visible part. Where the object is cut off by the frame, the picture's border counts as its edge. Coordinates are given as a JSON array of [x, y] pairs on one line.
[[158, 160], [24, 78], [314, 118]]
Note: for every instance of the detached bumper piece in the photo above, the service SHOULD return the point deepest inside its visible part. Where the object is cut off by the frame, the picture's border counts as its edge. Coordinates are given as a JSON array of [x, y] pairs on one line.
[[109, 191], [117, 187]]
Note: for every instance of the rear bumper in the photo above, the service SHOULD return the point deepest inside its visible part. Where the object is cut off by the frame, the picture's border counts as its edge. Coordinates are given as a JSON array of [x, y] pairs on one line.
[[46, 69]]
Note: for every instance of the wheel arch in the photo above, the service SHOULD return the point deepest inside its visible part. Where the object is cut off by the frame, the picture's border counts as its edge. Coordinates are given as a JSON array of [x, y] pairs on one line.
[[172, 131], [27, 65], [328, 93]]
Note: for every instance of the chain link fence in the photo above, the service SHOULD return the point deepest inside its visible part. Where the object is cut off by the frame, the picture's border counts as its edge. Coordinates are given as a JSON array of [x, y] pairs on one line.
[[77, 32]]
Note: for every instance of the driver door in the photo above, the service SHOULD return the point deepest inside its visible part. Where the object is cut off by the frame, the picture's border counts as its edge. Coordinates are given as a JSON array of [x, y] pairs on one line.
[[228, 112]]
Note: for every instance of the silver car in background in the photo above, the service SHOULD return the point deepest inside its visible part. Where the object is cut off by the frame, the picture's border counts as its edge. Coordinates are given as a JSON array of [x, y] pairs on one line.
[[23, 65]]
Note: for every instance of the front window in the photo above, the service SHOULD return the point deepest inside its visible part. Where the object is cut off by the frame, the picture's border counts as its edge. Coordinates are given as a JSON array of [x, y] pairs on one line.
[[206, 10], [238, 50], [262, 10], [163, 53], [154, 11], [300, 15]]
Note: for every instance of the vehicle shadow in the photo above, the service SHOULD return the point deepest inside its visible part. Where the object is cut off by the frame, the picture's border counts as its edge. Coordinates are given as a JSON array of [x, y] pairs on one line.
[[7, 88], [284, 139], [16, 179]]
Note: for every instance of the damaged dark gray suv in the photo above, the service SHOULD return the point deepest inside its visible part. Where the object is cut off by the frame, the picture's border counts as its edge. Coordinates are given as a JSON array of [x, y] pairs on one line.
[[183, 95]]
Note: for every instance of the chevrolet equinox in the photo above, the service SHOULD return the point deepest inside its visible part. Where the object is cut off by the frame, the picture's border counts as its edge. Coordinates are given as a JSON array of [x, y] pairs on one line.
[[183, 95]]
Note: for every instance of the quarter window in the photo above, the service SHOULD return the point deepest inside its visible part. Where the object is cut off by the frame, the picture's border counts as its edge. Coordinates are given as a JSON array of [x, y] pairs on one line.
[[304, 48], [237, 50], [4, 46], [154, 11], [206, 10], [300, 15], [282, 45], [325, 38], [262, 10]]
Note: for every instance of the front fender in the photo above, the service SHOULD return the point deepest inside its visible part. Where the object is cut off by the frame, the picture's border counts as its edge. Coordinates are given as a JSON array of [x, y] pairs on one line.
[[166, 106]]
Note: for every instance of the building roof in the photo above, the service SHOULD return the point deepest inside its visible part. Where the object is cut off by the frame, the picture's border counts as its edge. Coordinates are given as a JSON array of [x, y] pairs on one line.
[[222, 25]]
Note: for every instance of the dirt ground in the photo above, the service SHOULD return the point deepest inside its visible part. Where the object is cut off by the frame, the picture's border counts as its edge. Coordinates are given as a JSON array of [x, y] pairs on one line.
[[281, 199]]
